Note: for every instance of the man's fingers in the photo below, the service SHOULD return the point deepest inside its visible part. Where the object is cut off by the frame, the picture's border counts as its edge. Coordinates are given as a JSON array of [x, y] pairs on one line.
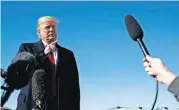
[[54, 42], [146, 64], [52, 46], [148, 58], [150, 73], [148, 69], [144, 59]]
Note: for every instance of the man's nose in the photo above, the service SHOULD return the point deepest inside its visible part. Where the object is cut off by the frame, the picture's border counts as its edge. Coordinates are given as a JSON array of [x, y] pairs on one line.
[[51, 28]]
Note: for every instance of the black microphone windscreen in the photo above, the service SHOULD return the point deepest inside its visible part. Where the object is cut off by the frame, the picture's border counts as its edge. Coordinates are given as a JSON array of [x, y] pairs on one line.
[[133, 28], [20, 70], [40, 85], [23, 56]]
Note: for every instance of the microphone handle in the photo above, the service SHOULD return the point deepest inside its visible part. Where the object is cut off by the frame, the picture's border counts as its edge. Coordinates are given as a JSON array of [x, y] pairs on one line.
[[143, 47]]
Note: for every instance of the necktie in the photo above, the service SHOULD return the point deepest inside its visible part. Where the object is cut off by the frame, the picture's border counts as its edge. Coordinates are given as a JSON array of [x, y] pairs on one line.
[[52, 60]]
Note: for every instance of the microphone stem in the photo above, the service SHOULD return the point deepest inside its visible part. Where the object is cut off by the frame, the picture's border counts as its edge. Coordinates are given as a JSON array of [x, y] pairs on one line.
[[143, 47]]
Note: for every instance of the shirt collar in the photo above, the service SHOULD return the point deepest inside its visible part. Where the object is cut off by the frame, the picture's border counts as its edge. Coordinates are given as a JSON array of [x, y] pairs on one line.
[[44, 43]]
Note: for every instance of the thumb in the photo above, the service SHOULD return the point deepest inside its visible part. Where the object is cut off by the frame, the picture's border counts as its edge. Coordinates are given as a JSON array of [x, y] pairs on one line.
[[148, 58]]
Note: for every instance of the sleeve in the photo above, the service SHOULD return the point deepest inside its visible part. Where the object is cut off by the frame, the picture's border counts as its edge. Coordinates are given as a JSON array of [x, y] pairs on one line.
[[76, 76], [22, 49], [174, 88], [75, 80]]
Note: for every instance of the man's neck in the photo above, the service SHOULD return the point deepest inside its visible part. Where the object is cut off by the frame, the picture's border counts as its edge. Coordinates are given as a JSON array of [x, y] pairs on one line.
[[44, 43]]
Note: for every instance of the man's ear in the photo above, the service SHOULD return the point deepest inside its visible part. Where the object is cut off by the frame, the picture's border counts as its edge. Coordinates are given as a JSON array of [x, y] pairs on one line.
[[38, 32]]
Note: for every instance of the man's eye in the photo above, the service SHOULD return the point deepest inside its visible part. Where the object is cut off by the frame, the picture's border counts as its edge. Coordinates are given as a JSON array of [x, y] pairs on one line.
[[47, 27], [53, 27]]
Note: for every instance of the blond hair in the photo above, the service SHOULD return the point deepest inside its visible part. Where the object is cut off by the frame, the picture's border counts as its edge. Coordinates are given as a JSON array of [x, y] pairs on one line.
[[42, 19]]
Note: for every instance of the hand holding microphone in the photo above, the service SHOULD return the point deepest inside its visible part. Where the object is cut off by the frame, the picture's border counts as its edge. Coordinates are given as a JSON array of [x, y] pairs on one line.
[[155, 66], [136, 34]]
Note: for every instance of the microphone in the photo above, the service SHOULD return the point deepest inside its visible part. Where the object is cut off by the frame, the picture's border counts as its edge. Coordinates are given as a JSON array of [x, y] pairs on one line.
[[18, 74], [135, 32], [40, 89], [20, 70]]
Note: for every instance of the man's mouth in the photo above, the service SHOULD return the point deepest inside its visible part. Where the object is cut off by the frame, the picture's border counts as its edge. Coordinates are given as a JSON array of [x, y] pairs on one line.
[[51, 35]]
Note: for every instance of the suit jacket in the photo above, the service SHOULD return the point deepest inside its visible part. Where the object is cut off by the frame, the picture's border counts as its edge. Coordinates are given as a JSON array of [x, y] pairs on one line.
[[174, 88], [67, 74]]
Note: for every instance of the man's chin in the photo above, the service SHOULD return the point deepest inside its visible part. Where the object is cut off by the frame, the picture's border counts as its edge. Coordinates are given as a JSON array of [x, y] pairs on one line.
[[50, 39]]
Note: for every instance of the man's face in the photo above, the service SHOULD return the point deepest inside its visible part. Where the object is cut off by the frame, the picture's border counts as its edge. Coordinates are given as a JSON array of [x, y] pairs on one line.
[[47, 31]]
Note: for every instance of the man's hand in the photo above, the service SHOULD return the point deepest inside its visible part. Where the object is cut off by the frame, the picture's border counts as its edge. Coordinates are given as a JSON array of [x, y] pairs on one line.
[[155, 66], [50, 47]]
